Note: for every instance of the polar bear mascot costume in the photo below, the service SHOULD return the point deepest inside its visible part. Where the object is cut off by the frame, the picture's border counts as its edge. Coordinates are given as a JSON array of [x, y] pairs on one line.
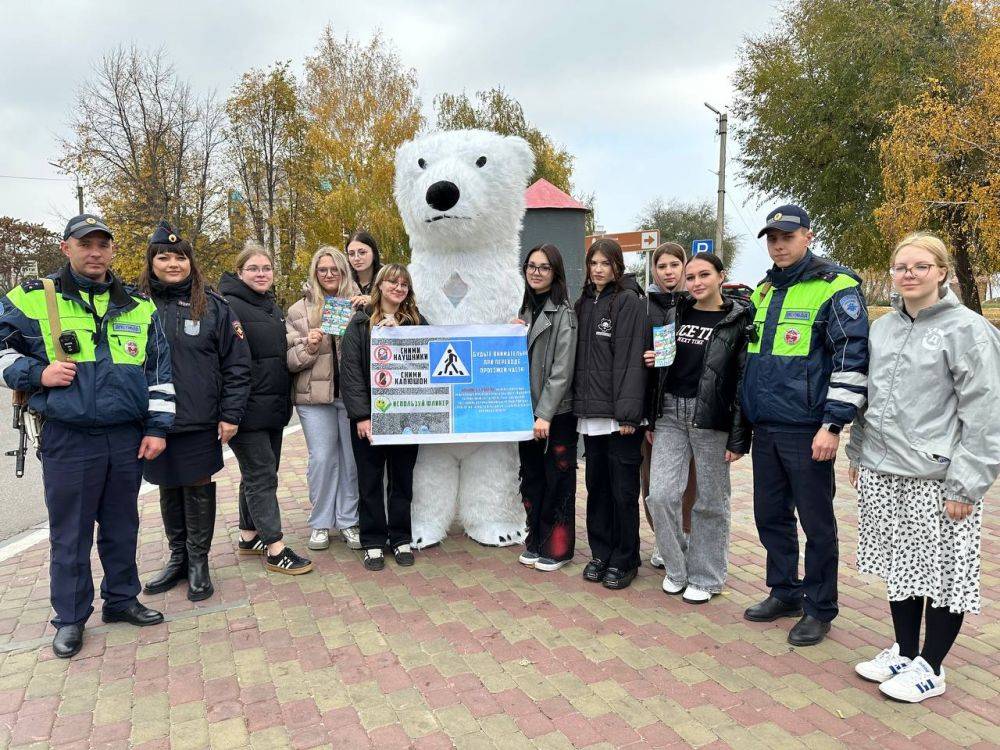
[[461, 196]]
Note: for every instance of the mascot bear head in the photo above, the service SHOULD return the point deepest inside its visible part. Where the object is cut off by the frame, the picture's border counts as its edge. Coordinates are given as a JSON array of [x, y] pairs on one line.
[[462, 189]]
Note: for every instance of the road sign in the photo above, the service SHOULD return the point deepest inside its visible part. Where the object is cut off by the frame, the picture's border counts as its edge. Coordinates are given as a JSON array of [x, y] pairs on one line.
[[631, 242], [702, 246]]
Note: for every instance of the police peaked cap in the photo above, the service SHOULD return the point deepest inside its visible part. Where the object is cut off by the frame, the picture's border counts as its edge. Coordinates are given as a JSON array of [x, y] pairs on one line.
[[164, 234]]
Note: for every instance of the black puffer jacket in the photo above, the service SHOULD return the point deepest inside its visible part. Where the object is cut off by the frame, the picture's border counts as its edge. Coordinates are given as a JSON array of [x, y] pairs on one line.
[[609, 379], [209, 357], [355, 366], [661, 310], [717, 405], [270, 404]]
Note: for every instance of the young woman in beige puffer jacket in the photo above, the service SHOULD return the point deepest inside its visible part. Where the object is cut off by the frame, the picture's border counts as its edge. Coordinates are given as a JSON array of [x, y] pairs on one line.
[[313, 356]]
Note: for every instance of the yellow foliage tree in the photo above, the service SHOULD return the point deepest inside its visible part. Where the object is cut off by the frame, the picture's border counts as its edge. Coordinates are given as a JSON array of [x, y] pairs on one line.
[[941, 158], [362, 104]]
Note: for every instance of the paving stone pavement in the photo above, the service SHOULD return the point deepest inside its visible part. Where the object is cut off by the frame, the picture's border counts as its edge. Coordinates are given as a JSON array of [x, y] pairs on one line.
[[469, 649]]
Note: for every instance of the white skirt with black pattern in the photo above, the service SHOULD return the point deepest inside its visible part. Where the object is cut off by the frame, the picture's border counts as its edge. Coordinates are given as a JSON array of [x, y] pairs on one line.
[[906, 539]]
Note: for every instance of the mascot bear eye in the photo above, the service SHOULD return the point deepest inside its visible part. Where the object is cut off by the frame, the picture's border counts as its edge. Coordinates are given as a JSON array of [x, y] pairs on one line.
[[421, 163], [481, 161]]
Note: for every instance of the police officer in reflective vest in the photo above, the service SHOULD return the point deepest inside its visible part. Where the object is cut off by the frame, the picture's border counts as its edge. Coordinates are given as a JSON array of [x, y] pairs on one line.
[[806, 377], [92, 354]]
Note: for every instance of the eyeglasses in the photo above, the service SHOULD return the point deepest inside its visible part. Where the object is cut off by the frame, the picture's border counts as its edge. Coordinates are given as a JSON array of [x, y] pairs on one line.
[[258, 269], [919, 271], [358, 253], [397, 284], [328, 271], [542, 269]]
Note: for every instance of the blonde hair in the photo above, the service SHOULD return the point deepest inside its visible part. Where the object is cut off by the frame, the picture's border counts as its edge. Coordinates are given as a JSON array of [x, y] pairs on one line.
[[250, 249], [407, 312], [932, 244], [315, 295]]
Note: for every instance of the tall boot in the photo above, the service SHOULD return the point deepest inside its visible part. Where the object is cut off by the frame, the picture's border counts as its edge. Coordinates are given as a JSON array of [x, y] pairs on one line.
[[199, 511], [176, 569]]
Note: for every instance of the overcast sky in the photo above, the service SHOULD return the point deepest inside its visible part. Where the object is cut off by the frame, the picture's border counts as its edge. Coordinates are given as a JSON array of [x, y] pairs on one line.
[[620, 84]]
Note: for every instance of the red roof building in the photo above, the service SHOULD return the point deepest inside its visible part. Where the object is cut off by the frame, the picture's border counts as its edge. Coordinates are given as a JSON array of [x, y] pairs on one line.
[[543, 194]]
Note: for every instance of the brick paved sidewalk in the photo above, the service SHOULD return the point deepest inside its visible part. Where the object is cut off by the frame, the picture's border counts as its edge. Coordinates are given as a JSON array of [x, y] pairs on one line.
[[470, 649]]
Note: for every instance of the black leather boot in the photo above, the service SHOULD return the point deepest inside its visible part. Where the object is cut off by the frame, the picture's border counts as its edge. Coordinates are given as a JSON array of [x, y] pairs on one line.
[[199, 511], [176, 569]]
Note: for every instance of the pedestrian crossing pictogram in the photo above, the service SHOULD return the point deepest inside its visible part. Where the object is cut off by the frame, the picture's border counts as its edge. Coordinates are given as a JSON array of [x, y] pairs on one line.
[[452, 361]]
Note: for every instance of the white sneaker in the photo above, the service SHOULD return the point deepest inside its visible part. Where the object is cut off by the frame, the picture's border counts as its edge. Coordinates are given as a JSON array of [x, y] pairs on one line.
[[319, 539], [915, 683], [352, 536], [528, 558], [884, 666], [670, 587], [548, 564], [695, 595], [656, 560]]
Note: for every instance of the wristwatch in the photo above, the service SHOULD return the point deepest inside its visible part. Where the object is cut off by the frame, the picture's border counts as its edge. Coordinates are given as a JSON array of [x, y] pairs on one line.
[[833, 429]]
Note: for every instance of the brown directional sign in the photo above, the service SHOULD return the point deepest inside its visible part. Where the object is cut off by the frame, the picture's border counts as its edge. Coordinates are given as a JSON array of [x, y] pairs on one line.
[[631, 242]]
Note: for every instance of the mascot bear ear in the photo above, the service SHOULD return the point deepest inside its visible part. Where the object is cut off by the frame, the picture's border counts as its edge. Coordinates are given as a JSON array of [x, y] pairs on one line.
[[520, 157]]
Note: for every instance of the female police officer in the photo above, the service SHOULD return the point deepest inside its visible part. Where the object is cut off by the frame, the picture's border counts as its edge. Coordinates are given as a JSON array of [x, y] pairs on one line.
[[211, 367]]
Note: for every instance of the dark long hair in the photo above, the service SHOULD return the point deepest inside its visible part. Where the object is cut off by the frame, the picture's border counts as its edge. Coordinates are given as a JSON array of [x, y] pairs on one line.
[[613, 252], [712, 259], [365, 239], [199, 299], [557, 292]]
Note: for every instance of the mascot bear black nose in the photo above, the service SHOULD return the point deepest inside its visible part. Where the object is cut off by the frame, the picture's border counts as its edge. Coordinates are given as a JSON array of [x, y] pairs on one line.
[[442, 195]]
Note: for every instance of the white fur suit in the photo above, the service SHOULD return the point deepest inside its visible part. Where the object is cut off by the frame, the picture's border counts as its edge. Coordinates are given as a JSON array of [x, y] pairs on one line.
[[461, 196]]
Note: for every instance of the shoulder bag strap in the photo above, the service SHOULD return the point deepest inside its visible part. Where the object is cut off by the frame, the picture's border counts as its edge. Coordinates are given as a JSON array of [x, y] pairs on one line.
[[55, 327]]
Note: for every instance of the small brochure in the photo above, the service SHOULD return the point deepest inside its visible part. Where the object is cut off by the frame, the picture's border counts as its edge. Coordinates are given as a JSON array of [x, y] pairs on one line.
[[664, 345], [337, 313]]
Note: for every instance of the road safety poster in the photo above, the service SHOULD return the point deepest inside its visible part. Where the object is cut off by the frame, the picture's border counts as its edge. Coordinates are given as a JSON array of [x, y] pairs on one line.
[[450, 384]]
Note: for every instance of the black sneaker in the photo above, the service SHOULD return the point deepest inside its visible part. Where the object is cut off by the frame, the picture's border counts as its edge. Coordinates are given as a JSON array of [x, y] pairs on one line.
[[287, 562], [594, 570], [254, 547], [403, 555], [374, 559]]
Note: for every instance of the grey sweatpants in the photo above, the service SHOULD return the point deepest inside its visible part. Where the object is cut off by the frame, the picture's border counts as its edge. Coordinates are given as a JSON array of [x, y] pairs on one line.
[[701, 558], [332, 476]]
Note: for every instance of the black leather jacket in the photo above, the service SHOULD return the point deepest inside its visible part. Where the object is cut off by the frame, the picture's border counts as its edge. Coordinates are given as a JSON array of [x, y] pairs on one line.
[[717, 405]]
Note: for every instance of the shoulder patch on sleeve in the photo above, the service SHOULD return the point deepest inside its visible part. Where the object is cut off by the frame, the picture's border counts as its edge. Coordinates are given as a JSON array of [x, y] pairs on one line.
[[851, 305], [238, 329]]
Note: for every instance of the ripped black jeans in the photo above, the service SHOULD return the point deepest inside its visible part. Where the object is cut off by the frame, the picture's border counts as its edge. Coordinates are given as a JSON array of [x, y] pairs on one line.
[[548, 489]]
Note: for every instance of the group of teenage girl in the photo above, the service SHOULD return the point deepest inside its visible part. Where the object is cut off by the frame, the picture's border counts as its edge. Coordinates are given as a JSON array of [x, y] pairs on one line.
[[664, 433]]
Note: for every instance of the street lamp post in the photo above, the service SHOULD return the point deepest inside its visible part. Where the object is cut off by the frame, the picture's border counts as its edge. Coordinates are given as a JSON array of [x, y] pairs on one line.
[[723, 127], [79, 187]]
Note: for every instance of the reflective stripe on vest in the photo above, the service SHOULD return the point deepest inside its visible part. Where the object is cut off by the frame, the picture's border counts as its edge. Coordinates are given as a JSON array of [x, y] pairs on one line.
[[801, 305], [127, 332]]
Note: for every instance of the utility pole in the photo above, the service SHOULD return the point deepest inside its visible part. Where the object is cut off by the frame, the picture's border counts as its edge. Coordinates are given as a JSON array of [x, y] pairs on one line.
[[720, 210], [79, 187]]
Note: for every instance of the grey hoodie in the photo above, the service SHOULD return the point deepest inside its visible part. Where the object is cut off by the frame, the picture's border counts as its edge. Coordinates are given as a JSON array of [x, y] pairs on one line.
[[933, 399]]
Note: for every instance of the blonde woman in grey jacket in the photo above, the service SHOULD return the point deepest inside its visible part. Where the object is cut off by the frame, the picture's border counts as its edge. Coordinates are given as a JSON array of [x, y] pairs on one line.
[[314, 359], [925, 453], [548, 462]]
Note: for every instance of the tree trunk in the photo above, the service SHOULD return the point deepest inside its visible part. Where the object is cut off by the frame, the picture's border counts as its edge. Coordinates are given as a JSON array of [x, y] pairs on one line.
[[964, 272]]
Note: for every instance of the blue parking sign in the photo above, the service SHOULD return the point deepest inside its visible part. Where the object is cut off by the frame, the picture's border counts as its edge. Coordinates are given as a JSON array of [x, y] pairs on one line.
[[702, 246]]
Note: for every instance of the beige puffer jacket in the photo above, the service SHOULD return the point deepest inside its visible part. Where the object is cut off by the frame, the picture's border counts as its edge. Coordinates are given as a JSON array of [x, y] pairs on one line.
[[316, 375]]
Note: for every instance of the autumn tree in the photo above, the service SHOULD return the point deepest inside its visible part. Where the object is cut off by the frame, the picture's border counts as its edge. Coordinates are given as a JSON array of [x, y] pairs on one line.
[[147, 147], [361, 105], [26, 249], [268, 159], [814, 97], [496, 110], [684, 222], [941, 157]]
